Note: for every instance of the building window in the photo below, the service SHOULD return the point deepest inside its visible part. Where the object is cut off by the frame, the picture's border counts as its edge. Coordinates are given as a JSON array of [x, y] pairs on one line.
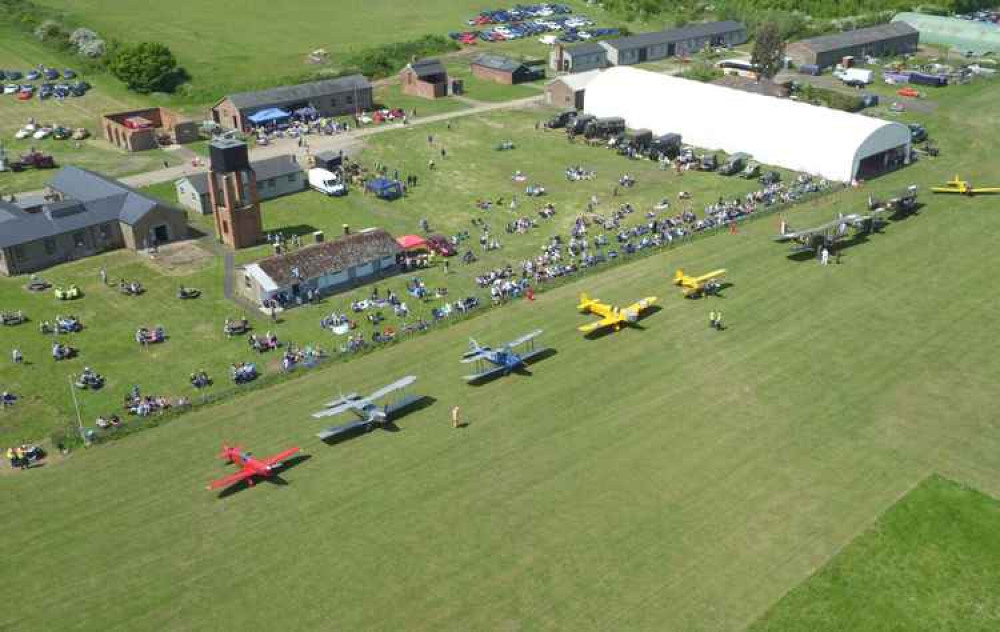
[[272, 184], [246, 279], [18, 253], [106, 231], [225, 227], [50, 246], [291, 177], [333, 102], [349, 99], [79, 239]]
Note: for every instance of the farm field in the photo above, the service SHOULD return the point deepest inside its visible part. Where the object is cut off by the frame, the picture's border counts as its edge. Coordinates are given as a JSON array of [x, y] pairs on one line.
[[275, 48], [107, 95], [932, 562]]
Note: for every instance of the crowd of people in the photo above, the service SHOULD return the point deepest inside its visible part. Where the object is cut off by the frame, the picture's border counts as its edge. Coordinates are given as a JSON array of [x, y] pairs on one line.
[[260, 344], [150, 335], [61, 325], [243, 372], [23, 456]]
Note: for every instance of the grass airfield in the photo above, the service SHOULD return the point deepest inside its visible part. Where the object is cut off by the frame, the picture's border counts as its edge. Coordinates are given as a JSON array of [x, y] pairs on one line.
[[668, 477]]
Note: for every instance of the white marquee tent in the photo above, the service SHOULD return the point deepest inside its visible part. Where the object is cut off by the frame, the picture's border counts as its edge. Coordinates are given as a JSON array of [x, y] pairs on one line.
[[781, 132]]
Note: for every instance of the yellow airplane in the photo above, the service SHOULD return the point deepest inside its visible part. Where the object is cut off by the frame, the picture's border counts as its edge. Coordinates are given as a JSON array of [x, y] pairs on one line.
[[693, 286], [612, 315], [963, 187]]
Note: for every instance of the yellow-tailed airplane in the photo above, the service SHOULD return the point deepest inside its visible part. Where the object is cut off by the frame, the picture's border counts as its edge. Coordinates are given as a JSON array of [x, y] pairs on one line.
[[963, 187], [612, 315], [693, 286]]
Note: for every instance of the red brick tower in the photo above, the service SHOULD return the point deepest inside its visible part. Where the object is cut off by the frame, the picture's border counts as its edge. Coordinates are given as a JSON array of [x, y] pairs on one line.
[[232, 191]]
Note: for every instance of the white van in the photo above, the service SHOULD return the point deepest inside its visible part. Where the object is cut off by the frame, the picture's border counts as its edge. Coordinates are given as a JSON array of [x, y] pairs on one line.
[[326, 182]]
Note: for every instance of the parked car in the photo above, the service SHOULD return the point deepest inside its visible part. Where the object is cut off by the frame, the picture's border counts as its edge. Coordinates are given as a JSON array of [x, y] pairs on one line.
[[51, 74], [14, 75], [440, 245], [69, 74], [42, 133], [734, 164], [918, 133], [33, 75], [10, 88], [561, 120], [708, 162], [61, 133]]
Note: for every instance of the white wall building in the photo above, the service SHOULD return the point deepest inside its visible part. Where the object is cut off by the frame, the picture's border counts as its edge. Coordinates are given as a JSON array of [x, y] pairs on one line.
[[807, 138]]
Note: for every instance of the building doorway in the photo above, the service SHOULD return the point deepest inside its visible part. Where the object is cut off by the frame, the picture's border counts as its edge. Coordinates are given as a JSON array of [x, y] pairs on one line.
[[161, 234]]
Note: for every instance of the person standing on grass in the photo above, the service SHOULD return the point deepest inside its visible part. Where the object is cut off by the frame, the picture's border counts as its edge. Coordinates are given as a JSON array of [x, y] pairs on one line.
[[711, 319], [456, 415], [16, 356], [718, 321], [104, 275]]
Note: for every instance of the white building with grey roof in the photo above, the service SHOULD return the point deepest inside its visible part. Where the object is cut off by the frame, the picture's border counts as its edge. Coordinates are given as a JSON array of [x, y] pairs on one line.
[[276, 176]]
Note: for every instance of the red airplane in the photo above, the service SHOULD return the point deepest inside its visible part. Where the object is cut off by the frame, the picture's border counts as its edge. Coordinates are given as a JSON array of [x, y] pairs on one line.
[[250, 467]]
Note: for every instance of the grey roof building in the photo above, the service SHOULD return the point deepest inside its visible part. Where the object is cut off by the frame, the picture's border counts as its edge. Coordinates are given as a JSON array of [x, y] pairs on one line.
[[579, 58], [84, 213], [330, 97], [683, 41], [504, 69], [636, 49], [277, 176], [884, 40]]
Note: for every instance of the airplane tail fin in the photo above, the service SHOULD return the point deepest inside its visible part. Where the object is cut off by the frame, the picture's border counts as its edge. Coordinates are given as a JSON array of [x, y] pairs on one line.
[[585, 301], [678, 276]]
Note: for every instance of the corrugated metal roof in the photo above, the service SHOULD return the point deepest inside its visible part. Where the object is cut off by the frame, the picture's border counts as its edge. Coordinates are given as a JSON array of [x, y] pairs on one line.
[[965, 35], [302, 92], [684, 33], [496, 62], [329, 257], [427, 67], [859, 37], [265, 169], [587, 48]]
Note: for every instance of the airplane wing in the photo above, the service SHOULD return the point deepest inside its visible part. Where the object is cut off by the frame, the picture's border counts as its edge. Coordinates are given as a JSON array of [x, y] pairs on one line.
[[279, 457], [395, 386], [642, 304], [531, 355], [485, 375], [226, 481], [525, 338], [334, 431], [607, 321], [987, 190], [473, 357], [342, 407]]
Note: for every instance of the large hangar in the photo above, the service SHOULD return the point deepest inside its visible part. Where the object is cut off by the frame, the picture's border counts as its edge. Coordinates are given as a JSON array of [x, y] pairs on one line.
[[816, 140]]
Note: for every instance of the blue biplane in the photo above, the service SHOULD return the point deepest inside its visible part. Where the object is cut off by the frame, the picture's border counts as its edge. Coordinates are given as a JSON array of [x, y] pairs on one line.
[[503, 360]]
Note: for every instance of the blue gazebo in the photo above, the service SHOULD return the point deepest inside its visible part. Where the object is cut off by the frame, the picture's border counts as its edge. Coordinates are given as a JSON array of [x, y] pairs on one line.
[[385, 188], [268, 116]]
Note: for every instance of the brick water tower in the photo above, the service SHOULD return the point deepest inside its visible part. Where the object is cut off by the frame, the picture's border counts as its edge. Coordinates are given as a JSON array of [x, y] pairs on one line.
[[232, 191]]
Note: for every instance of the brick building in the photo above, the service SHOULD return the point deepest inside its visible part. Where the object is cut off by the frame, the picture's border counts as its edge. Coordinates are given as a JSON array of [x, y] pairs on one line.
[[83, 214], [568, 92], [505, 70], [138, 130], [427, 78], [329, 97]]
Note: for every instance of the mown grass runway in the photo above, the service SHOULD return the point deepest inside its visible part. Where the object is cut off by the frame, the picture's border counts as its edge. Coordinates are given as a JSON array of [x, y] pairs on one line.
[[668, 477]]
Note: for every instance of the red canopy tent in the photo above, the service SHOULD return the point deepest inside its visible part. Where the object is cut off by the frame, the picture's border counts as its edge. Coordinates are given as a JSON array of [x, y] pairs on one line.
[[412, 242]]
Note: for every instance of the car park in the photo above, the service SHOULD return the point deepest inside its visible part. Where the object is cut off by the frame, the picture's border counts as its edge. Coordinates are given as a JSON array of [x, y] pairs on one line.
[[14, 75]]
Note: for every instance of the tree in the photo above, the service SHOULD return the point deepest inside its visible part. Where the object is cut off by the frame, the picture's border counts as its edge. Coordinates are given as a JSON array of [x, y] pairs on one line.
[[146, 67], [768, 50]]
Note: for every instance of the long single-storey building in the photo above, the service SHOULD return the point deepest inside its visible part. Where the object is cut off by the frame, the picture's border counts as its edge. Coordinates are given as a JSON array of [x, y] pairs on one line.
[[329, 97], [884, 40], [679, 42], [275, 177], [579, 58], [636, 49], [326, 267], [807, 138], [504, 69], [83, 214]]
